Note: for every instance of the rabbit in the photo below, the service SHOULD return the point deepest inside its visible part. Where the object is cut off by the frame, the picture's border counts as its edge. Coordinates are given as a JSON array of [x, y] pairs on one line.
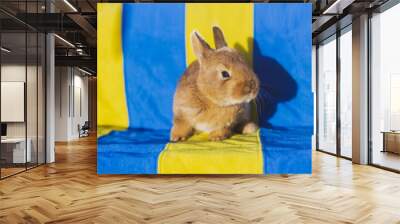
[[214, 93]]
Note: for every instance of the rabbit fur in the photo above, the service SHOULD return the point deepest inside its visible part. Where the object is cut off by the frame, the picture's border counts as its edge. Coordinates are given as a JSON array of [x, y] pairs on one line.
[[215, 92]]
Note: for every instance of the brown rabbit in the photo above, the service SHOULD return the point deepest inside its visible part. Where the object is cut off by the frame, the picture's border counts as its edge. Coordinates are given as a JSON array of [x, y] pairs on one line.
[[214, 93]]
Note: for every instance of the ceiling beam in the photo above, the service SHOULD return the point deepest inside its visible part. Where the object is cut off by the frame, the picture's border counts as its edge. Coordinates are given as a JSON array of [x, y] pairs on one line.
[[84, 24], [81, 61], [337, 7]]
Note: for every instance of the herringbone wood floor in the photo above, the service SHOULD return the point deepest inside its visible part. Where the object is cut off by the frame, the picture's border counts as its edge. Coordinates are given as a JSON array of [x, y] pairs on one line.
[[70, 191]]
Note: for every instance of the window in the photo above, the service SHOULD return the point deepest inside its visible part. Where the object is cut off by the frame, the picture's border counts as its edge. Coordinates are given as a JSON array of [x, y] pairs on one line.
[[346, 92], [327, 95], [334, 106], [385, 89], [22, 77]]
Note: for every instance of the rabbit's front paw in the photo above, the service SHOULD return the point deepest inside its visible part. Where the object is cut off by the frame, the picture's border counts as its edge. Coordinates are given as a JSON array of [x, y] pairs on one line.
[[180, 133], [219, 135], [177, 137]]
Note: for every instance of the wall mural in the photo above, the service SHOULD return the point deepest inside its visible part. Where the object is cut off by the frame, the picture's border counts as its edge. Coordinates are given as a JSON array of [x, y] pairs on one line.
[[213, 88]]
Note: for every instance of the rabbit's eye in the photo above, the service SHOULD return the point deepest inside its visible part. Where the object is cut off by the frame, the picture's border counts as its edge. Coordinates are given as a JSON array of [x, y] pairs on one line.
[[225, 75]]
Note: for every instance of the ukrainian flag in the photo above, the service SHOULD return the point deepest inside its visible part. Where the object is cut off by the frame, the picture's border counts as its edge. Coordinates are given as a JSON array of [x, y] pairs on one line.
[[143, 49]]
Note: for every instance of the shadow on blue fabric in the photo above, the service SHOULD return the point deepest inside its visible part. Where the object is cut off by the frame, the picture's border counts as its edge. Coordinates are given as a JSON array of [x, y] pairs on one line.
[[276, 84]]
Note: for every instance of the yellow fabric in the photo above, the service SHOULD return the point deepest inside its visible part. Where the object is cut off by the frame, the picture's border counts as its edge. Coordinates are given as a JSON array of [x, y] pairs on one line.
[[235, 20], [240, 154], [111, 101]]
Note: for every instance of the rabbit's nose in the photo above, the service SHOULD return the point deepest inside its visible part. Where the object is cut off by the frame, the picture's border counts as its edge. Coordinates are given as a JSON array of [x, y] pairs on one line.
[[252, 84]]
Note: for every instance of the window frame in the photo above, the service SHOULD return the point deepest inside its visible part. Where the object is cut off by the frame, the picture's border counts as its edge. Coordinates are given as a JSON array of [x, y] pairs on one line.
[[337, 34]]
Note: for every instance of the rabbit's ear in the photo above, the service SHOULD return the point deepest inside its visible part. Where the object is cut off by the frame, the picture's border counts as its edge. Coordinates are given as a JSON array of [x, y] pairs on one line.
[[219, 37], [200, 47]]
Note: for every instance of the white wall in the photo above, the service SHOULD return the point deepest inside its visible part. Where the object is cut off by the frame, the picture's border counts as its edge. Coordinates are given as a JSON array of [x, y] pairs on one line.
[[9, 73], [71, 102], [34, 125], [62, 82], [81, 85], [16, 72]]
